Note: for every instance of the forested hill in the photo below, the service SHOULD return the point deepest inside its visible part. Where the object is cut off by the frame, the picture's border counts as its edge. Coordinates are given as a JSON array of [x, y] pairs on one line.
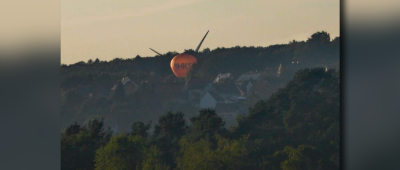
[[86, 86]]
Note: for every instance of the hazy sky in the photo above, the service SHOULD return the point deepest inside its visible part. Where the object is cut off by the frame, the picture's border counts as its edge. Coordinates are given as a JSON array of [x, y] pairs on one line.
[[107, 29]]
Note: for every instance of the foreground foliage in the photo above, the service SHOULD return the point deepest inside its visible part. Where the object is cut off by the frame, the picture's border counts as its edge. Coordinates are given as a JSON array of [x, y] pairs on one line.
[[297, 128]]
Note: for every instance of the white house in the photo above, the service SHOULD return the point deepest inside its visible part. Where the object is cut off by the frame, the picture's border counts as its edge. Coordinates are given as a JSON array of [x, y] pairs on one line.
[[210, 100]]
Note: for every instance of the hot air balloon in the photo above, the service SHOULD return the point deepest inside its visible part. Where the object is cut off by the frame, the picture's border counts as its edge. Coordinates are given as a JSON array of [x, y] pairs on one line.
[[182, 63]]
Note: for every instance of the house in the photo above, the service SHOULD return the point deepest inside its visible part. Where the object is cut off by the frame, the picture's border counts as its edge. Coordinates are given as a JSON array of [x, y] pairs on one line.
[[222, 77], [263, 80], [244, 88], [196, 88], [265, 87], [252, 76], [235, 99], [129, 86], [227, 109], [227, 89], [210, 100], [198, 91], [245, 82]]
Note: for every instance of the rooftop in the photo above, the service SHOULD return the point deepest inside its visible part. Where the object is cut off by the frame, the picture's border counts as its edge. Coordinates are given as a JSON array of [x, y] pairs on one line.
[[216, 96], [227, 88], [222, 76], [249, 76]]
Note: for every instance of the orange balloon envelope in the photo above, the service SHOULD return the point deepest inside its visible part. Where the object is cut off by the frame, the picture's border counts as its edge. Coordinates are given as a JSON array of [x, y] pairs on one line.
[[181, 64]]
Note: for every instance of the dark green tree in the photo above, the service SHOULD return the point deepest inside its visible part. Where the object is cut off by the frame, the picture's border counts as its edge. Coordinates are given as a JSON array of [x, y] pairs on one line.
[[229, 154], [319, 38], [73, 129], [168, 131], [78, 149], [141, 129], [206, 125], [122, 152], [305, 112], [97, 61]]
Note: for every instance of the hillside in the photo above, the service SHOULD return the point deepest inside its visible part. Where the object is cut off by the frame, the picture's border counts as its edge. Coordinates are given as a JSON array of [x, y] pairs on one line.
[[86, 87]]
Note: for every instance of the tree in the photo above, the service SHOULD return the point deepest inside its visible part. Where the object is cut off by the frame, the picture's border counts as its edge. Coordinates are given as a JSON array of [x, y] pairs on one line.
[[73, 129], [139, 128], [170, 125], [122, 152], [319, 38], [206, 125], [79, 144], [138, 58], [169, 130], [336, 40], [77, 151], [206, 50], [97, 61], [305, 112], [229, 154], [96, 130], [299, 159], [153, 160]]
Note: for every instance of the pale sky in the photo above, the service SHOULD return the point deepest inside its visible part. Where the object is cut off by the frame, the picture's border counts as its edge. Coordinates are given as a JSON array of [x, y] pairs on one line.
[[107, 29]]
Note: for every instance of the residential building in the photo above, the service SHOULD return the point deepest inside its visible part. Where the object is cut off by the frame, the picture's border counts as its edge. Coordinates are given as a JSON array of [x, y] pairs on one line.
[[130, 87], [222, 77], [210, 100], [227, 89], [251, 76], [196, 89]]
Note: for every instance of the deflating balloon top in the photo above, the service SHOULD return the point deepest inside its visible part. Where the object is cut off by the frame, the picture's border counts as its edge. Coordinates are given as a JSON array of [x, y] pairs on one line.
[[181, 64]]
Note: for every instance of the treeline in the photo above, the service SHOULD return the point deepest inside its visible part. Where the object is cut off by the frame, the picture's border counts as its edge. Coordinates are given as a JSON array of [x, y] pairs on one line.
[[295, 129], [319, 49]]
